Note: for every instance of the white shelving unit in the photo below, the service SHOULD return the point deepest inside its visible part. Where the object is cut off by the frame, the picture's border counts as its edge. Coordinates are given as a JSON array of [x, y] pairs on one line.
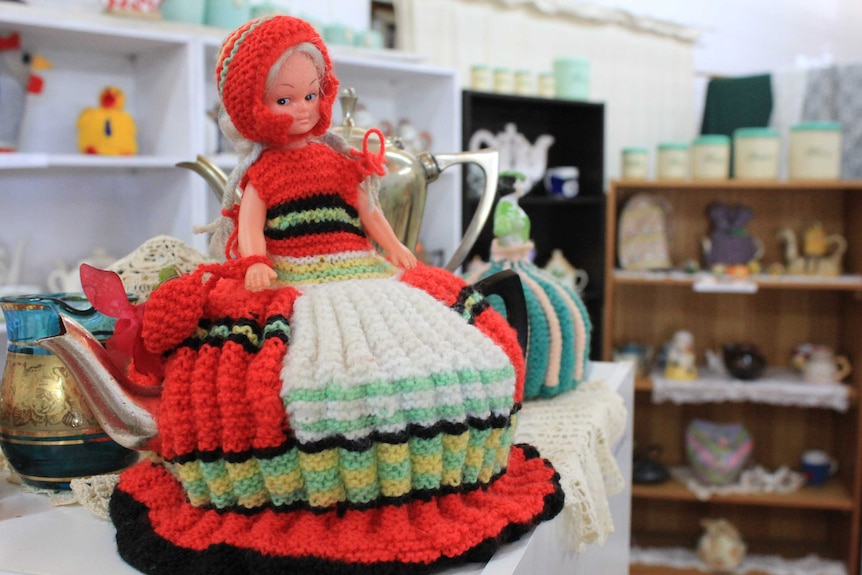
[[66, 204]]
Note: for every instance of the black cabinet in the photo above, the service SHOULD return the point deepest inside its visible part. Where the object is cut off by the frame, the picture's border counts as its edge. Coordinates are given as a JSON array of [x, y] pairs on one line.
[[577, 225]]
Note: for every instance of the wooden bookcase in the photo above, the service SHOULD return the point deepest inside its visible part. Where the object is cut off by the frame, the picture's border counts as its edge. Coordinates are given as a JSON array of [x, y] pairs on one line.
[[783, 312], [576, 225], [166, 68]]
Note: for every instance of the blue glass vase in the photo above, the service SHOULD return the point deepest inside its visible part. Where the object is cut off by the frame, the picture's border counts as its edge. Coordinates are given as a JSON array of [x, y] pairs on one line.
[[48, 433]]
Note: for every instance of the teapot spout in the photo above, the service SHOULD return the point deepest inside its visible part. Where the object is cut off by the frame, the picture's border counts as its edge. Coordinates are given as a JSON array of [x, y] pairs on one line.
[[104, 386]]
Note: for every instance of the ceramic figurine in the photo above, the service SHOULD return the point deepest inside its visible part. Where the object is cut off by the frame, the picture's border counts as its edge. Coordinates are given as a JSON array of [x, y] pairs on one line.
[[822, 253], [17, 81], [721, 547], [680, 363], [138, 8], [511, 222], [314, 404], [108, 130], [729, 242]]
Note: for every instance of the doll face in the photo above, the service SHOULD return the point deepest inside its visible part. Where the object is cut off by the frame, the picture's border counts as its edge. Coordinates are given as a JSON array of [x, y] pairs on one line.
[[296, 91]]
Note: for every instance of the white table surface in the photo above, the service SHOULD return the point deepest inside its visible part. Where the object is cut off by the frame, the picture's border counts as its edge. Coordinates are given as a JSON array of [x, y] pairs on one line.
[[38, 539]]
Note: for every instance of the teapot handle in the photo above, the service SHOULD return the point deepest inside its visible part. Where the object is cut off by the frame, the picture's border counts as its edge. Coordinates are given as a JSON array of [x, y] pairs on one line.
[[487, 159], [842, 365], [507, 285]]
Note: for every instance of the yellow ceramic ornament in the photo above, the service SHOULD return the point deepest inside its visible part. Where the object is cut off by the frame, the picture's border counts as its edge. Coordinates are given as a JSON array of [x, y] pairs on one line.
[[108, 130]]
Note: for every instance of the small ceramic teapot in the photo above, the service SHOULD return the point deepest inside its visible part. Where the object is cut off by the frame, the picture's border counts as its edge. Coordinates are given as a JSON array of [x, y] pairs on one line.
[[517, 154], [63, 279], [743, 360], [823, 366]]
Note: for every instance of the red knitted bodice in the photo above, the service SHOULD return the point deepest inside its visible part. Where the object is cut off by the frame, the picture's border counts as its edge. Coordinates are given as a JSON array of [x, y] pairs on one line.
[[311, 195]]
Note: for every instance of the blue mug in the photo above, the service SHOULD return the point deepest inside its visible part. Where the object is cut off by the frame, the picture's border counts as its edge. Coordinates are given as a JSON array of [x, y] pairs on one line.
[[562, 181], [818, 467]]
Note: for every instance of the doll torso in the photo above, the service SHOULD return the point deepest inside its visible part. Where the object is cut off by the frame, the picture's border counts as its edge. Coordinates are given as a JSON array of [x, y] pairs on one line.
[[313, 232]]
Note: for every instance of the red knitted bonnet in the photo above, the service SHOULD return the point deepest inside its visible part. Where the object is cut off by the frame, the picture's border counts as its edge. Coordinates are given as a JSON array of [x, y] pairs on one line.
[[244, 61]]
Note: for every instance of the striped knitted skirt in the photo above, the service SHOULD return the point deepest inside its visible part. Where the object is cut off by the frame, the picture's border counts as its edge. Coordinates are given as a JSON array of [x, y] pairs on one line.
[[362, 426]]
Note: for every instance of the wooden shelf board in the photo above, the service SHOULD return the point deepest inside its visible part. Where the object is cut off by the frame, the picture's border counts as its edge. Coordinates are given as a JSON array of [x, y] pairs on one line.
[[747, 185], [41, 161], [643, 384], [637, 569], [832, 496], [760, 281]]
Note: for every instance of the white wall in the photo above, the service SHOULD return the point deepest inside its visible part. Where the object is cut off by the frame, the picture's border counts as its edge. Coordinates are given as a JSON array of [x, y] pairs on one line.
[[750, 36], [743, 37]]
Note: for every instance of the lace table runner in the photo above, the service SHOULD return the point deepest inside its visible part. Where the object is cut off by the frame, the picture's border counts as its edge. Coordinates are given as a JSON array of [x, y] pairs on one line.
[[682, 558], [779, 386], [577, 432], [754, 480]]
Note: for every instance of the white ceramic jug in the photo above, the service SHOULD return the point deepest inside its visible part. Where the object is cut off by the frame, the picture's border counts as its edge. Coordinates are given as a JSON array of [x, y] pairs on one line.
[[823, 366]]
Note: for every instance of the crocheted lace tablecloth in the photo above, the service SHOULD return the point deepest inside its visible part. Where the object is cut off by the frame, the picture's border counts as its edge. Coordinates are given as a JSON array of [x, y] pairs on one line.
[[577, 432], [682, 558], [778, 386]]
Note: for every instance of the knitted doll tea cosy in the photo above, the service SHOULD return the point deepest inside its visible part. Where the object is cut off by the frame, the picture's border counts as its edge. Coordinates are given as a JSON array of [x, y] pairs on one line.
[[354, 417]]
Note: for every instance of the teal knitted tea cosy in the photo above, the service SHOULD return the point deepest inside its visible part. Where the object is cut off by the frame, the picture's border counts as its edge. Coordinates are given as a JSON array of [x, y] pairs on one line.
[[559, 324]]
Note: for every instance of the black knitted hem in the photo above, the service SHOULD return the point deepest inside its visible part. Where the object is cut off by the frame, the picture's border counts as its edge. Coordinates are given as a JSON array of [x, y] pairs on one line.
[[142, 548]]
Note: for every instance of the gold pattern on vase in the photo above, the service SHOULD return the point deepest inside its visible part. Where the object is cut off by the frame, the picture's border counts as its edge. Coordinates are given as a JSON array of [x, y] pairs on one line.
[[40, 398]]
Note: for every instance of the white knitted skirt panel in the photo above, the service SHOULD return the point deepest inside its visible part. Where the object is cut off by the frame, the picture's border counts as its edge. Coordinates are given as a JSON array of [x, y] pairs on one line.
[[379, 355]]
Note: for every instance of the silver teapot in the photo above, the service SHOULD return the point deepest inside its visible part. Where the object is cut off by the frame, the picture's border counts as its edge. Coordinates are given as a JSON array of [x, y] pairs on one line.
[[404, 188]]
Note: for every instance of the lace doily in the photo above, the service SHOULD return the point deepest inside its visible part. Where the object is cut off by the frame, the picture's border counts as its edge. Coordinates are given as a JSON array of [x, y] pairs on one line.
[[92, 493], [778, 386], [140, 269], [754, 480], [682, 558], [577, 431]]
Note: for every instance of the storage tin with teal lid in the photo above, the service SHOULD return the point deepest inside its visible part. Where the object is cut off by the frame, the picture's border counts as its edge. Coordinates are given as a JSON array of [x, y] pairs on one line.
[[710, 157], [634, 163], [756, 153], [815, 151], [672, 161]]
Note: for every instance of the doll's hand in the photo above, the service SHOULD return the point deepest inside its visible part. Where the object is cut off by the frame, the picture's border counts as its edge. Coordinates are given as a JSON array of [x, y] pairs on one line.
[[402, 257], [259, 277]]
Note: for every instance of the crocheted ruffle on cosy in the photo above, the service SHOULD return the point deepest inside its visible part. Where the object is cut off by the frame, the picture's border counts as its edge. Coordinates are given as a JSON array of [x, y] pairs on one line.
[[159, 531]]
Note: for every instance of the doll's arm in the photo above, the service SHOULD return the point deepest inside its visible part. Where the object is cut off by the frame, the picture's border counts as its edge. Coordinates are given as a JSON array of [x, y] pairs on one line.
[[379, 230], [250, 223]]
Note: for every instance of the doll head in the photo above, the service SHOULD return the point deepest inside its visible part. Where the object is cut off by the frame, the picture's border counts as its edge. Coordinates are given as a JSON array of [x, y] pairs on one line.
[[249, 58]]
